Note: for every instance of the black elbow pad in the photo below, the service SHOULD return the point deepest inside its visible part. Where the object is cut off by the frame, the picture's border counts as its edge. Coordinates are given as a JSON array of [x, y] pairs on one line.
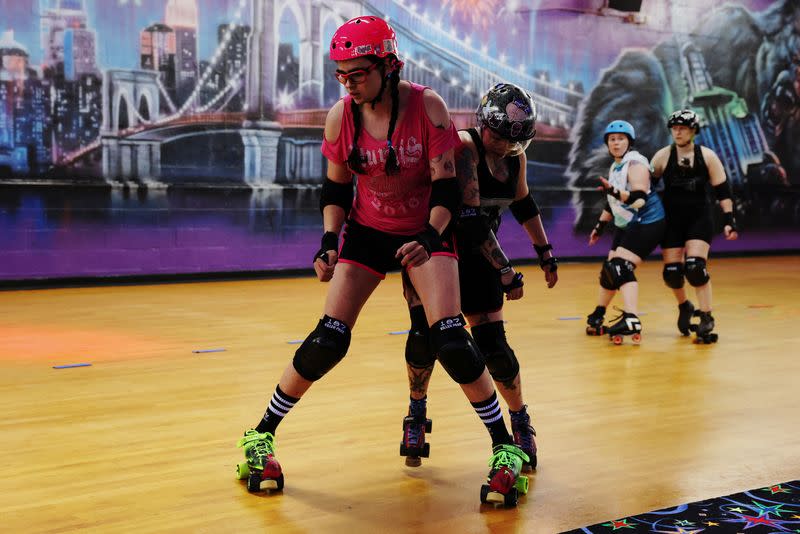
[[524, 209]]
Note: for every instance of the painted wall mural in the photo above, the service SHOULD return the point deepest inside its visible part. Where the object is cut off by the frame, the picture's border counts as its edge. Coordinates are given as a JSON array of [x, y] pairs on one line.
[[180, 136]]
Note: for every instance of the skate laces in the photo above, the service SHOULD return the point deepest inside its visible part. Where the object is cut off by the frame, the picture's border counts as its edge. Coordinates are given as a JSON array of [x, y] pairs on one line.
[[524, 433], [504, 457], [264, 443]]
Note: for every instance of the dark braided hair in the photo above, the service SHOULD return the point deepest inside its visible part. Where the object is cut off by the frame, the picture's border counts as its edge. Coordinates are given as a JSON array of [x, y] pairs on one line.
[[354, 159]]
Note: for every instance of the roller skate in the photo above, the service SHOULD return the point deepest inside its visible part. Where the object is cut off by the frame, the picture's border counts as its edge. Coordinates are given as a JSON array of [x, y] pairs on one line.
[[627, 325], [685, 314], [594, 322], [703, 330], [414, 447], [504, 480], [524, 435], [260, 468]]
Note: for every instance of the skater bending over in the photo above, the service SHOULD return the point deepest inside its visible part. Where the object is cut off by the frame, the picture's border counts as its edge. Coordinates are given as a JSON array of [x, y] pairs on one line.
[[690, 171], [398, 139], [491, 169], [639, 220]]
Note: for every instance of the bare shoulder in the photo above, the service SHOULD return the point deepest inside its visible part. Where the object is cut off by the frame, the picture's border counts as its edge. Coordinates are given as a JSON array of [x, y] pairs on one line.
[[333, 122], [708, 154], [436, 109]]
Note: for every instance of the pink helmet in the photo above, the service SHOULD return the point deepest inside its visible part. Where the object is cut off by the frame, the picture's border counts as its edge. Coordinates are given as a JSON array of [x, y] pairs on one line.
[[363, 36]]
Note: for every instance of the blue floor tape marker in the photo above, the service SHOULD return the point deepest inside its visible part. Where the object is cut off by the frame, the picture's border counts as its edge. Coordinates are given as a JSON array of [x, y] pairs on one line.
[[207, 350], [398, 333], [576, 318], [295, 342], [71, 365]]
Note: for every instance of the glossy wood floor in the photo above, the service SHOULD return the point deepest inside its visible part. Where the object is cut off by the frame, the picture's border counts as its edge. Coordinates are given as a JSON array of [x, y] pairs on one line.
[[144, 439]]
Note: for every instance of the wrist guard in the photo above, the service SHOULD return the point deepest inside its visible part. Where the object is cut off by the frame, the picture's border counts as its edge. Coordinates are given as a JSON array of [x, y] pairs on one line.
[[330, 241]]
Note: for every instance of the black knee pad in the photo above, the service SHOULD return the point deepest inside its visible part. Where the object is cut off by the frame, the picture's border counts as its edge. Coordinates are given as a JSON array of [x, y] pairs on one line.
[[322, 349], [418, 348], [673, 275], [500, 359], [616, 273], [456, 350], [696, 272]]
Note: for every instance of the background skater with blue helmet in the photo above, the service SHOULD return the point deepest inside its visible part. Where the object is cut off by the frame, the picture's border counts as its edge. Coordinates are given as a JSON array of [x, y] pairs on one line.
[[638, 215]]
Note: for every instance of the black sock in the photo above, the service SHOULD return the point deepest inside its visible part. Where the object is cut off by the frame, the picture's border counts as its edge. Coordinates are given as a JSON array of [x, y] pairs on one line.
[[492, 416], [278, 408]]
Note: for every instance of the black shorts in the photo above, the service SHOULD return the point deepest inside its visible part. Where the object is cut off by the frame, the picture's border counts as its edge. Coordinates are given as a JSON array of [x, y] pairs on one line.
[[686, 224], [481, 290], [641, 239], [375, 251]]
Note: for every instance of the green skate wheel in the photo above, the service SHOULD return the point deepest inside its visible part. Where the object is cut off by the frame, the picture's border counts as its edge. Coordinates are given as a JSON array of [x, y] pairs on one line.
[[242, 470], [522, 484]]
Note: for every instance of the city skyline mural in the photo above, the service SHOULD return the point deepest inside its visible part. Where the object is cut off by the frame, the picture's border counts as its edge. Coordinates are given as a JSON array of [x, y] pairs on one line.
[[208, 114]]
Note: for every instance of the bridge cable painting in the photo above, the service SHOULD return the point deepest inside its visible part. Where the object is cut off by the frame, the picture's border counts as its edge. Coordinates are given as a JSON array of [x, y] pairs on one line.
[[180, 136]]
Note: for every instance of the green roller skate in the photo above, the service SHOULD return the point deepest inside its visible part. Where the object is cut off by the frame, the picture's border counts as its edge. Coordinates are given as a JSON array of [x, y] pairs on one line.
[[504, 480], [260, 468]]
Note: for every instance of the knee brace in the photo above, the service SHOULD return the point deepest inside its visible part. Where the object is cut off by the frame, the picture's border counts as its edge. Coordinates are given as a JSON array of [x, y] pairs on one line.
[[418, 349], [456, 350], [322, 349], [673, 275], [500, 359], [696, 272], [616, 273]]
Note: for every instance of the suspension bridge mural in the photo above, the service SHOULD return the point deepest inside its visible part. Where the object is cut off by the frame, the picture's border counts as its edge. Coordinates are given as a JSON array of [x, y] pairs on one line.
[[178, 136]]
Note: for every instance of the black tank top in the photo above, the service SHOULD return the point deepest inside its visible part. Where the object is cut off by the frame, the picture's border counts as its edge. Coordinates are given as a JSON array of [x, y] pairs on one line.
[[495, 195], [686, 186]]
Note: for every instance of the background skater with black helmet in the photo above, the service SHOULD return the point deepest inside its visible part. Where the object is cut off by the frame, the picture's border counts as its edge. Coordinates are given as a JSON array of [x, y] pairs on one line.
[[491, 169], [689, 170], [400, 219], [639, 218]]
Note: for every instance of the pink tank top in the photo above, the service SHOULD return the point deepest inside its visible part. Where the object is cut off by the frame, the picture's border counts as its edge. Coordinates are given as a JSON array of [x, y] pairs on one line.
[[398, 203]]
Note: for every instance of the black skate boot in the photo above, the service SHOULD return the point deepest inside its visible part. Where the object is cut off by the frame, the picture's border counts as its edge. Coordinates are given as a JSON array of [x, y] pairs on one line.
[[627, 325], [415, 425], [685, 313], [594, 322], [703, 330], [524, 437]]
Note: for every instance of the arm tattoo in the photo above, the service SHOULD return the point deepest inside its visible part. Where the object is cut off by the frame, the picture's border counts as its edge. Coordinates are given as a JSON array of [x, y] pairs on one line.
[[449, 167], [468, 178], [418, 379], [491, 251]]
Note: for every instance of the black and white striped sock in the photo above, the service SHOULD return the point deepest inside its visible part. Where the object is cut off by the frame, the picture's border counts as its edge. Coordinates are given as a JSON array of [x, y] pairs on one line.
[[492, 416], [278, 408]]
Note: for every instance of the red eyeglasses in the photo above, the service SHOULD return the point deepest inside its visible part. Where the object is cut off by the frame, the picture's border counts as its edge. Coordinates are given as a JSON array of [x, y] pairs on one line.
[[355, 76]]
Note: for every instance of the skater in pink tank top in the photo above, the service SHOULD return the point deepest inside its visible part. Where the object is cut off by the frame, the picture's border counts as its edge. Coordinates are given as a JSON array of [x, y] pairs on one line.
[[397, 139]]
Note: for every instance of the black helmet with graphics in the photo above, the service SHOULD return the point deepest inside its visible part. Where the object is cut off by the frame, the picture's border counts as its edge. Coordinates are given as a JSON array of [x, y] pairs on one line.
[[509, 111], [684, 117]]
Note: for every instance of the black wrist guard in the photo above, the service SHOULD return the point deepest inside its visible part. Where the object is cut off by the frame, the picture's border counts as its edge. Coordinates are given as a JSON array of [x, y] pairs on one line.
[[429, 238], [505, 269], [552, 262], [729, 220], [600, 227], [514, 284], [330, 241]]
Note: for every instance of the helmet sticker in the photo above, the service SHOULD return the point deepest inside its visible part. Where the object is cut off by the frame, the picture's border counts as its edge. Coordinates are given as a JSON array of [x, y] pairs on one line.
[[364, 49]]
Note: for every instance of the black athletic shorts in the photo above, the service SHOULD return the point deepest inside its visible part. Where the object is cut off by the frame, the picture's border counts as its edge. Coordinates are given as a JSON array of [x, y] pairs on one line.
[[641, 239], [685, 224], [481, 290], [374, 250]]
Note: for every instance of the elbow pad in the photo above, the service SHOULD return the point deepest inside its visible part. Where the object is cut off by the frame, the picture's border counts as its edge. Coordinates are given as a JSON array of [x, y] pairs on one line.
[[446, 193], [524, 209], [636, 199], [723, 190], [337, 194]]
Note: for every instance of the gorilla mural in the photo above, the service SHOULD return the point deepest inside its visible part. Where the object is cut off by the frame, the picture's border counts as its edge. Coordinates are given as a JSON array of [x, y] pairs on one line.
[[741, 72]]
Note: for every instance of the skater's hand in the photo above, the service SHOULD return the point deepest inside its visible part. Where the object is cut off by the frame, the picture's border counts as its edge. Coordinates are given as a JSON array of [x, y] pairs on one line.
[[730, 233], [594, 237], [512, 284], [605, 185], [412, 254], [550, 276], [324, 269]]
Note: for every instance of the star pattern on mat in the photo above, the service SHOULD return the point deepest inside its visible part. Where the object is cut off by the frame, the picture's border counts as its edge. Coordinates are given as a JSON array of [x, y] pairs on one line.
[[684, 523], [751, 521], [619, 524], [777, 488], [712, 524], [766, 510]]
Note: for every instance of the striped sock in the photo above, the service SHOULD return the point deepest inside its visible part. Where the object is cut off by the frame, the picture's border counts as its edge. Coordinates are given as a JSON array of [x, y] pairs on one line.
[[278, 408], [492, 416]]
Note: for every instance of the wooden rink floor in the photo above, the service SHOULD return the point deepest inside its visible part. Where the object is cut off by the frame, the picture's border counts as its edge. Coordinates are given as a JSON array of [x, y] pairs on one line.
[[144, 439]]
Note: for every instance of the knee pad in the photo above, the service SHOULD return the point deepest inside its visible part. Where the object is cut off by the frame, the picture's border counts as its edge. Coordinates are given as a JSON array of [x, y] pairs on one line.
[[673, 275], [616, 273], [696, 272], [500, 359], [418, 349], [322, 349], [456, 350]]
